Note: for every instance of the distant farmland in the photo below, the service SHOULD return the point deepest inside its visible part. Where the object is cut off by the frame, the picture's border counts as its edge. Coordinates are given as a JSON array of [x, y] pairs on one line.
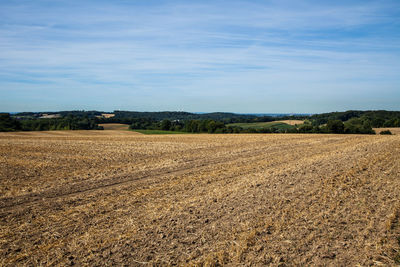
[[273, 124], [121, 198]]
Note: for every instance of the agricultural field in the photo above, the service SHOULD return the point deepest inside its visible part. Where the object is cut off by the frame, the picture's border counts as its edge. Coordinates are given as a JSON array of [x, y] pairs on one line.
[[292, 122], [272, 124], [122, 198]]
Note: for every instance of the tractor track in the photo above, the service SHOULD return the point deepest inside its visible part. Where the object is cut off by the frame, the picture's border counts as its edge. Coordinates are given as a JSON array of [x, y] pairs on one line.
[[117, 180], [87, 186]]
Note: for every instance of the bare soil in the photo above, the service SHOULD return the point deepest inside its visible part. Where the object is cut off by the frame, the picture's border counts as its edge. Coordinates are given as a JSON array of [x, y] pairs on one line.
[[119, 198]]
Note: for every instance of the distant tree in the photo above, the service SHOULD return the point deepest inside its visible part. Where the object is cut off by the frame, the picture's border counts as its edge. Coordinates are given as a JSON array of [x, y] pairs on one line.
[[378, 122], [8, 124], [386, 132], [177, 128], [166, 125], [212, 126], [335, 126], [306, 128]]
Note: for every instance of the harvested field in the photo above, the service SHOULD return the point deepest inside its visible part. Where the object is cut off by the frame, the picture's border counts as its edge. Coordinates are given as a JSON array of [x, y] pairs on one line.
[[261, 125], [292, 122], [120, 198]]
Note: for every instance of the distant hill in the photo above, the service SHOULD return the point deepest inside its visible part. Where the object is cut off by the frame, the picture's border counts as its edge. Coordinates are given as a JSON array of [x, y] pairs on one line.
[[377, 118], [181, 115], [354, 120], [159, 115]]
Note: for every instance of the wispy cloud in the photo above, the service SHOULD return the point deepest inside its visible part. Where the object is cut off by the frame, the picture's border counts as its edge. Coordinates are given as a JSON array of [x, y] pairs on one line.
[[243, 56]]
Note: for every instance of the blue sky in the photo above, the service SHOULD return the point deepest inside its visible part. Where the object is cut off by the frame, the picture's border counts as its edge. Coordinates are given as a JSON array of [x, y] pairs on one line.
[[239, 56]]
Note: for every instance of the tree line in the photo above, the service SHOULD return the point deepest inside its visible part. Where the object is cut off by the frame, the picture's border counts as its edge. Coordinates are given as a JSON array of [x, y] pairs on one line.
[[348, 122], [9, 124], [353, 126], [375, 118]]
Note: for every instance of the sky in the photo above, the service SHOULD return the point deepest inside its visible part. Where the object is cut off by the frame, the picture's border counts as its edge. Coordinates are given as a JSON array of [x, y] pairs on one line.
[[248, 56]]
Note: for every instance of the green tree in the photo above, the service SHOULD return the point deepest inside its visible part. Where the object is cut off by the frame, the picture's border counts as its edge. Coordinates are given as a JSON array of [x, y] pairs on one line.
[[166, 125], [306, 128], [8, 124], [335, 126], [387, 132]]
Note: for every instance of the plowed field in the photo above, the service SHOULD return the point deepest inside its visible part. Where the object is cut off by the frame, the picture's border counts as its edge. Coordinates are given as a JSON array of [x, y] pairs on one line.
[[120, 198]]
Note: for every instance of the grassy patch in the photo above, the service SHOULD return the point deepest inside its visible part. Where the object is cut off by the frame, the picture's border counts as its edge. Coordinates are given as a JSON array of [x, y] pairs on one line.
[[260, 125], [159, 132]]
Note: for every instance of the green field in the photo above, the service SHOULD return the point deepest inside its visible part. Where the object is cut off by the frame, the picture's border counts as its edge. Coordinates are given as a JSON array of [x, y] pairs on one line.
[[261, 125], [159, 132]]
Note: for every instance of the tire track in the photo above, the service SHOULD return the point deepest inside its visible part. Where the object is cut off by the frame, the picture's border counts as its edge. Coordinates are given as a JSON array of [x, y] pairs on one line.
[[117, 180], [112, 181]]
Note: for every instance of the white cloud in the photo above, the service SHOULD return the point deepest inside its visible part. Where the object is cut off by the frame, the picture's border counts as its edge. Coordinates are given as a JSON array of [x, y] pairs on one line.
[[201, 50]]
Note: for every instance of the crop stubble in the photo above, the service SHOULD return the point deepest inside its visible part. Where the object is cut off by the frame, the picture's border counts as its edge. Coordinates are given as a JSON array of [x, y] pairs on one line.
[[114, 197]]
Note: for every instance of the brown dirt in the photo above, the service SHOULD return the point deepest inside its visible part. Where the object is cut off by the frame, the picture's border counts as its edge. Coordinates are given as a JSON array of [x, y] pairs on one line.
[[116, 198], [292, 122]]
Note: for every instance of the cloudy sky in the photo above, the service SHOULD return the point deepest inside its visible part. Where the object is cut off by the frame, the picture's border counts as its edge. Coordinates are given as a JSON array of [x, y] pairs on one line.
[[240, 56]]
